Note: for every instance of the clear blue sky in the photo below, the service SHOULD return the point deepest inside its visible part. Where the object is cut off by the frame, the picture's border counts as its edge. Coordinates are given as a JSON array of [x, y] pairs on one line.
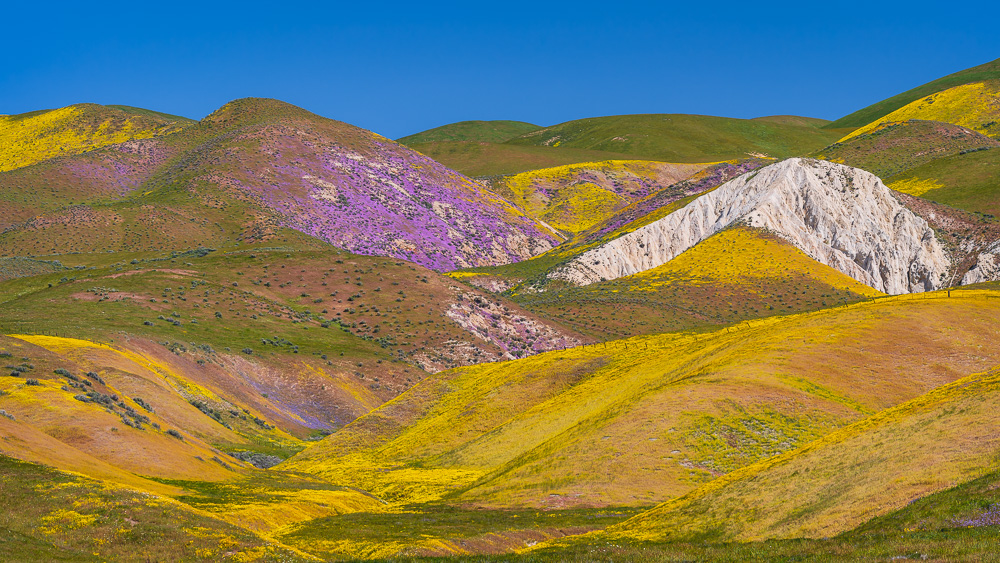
[[399, 68]]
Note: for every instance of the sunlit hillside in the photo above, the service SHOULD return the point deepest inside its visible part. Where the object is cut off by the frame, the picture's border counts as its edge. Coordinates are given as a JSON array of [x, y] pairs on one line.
[[575, 197], [653, 417], [975, 106], [32, 137]]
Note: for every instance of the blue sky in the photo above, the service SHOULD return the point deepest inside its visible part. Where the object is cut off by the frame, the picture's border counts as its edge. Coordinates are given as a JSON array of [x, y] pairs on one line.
[[398, 68]]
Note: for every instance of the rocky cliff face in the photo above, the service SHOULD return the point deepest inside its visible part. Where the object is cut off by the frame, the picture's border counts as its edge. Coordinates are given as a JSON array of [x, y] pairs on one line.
[[987, 267], [841, 216]]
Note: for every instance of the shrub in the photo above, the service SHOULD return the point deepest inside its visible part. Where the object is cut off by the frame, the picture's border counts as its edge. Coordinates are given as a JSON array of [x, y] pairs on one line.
[[95, 377], [143, 404], [175, 434], [33, 382]]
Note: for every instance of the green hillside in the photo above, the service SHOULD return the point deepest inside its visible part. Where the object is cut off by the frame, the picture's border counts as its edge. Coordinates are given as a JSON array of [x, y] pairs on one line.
[[901, 146], [474, 158], [874, 112], [479, 131], [968, 181], [683, 138]]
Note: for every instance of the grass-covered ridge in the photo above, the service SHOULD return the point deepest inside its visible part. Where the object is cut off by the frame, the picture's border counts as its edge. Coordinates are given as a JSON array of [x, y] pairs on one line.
[[683, 138], [877, 111], [484, 131], [969, 181]]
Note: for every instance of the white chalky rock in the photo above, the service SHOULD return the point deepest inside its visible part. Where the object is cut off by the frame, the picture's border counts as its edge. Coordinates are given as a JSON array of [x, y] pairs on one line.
[[841, 216]]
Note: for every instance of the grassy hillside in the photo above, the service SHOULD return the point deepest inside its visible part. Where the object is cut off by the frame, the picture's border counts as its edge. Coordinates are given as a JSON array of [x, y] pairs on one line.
[[937, 440], [683, 138], [33, 137], [653, 417], [55, 516], [479, 131], [969, 181], [476, 158], [575, 197], [975, 106], [877, 111], [898, 147]]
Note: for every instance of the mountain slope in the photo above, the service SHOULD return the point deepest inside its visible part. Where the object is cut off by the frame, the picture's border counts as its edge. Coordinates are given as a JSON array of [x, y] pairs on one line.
[[938, 440], [651, 417], [682, 138], [485, 131], [968, 181], [877, 111], [843, 217], [896, 148], [32, 137], [255, 166], [575, 197], [975, 106]]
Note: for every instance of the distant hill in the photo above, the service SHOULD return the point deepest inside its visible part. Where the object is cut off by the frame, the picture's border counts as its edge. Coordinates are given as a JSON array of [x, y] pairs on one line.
[[877, 111], [477, 158], [32, 137], [662, 137], [684, 138], [484, 131]]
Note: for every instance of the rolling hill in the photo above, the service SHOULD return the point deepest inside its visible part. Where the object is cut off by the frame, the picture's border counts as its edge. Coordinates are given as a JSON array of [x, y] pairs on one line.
[[482, 159], [683, 138], [251, 168], [939, 440], [651, 417], [32, 137], [878, 111], [484, 131], [975, 106], [969, 180]]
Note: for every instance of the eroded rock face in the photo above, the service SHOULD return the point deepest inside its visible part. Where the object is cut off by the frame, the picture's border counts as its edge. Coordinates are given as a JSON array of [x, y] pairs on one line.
[[987, 267], [841, 216]]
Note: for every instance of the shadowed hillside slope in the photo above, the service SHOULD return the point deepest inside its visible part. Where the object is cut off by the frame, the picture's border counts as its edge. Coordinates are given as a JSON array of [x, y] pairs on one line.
[[32, 137]]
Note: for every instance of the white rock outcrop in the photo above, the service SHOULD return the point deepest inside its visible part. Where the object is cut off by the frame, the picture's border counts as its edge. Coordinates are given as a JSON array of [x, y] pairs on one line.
[[841, 216], [987, 267]]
